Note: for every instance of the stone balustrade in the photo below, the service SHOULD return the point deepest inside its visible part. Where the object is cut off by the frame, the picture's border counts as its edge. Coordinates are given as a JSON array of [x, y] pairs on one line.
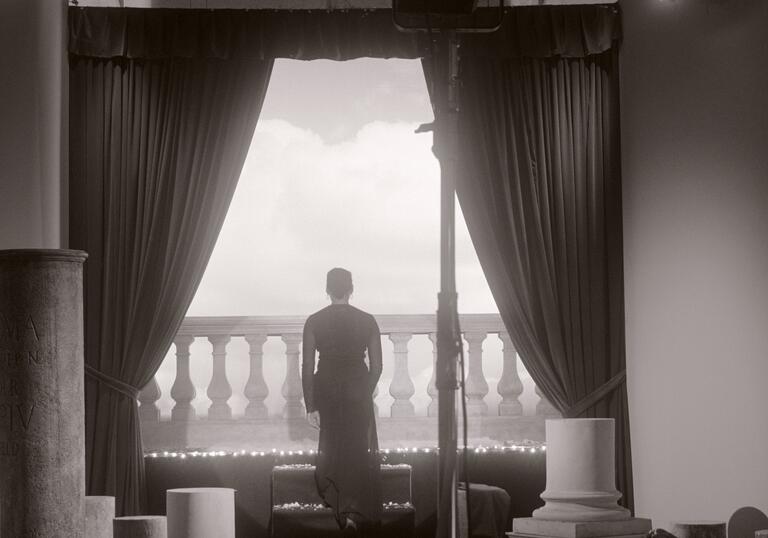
[[402, 424]]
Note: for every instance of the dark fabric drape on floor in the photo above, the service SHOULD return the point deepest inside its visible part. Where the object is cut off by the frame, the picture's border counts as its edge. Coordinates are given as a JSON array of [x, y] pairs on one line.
[[156, 149], [540, 188], [531, 31]]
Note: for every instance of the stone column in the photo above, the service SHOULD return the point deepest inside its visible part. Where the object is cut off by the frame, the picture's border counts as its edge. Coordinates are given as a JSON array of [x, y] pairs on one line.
[[581, 472], [256, 389], [432, 387], [42, 489], [183, 390], [510, 387], [401, 388], [292, 390], [148, 397], [581, 489], [219, 390], [477, 386], [99, 513]]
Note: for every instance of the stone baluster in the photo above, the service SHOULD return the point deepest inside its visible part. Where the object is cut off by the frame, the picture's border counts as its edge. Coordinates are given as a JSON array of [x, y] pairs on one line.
[[543, 407], [292, 391], [477, 386], [219, 390], [256, 389], [401, 387], [432, 408], [148, 397], [510, 387], [183, 391]]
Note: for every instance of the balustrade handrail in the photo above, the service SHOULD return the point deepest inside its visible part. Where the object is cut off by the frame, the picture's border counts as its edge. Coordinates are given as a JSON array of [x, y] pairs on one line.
[[400, 329], [280, 325]]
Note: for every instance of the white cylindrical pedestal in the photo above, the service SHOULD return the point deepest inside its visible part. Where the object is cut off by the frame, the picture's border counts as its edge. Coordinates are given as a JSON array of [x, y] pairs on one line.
[[581, 473], [141, 527], [201, 512], [99, 513]]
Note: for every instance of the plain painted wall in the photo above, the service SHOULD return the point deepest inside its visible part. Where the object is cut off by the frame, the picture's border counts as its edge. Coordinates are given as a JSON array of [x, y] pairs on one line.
[[694, 78], [33, 126]]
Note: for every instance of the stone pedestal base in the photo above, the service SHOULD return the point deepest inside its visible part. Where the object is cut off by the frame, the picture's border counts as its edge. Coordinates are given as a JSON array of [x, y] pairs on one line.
[[201, 512], [529, 526], [99, 513], [698, 529], [140, 527]]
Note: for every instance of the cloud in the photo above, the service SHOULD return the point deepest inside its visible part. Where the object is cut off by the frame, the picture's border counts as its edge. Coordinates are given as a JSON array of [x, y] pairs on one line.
[[303, 205]]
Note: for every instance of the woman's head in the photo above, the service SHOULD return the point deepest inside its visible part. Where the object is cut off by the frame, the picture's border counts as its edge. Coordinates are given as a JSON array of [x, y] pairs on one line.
[[338, 283]]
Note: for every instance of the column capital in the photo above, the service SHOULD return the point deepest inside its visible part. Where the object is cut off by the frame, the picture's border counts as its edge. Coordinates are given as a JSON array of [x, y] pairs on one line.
[[255, 339], [219, 339], [183, 341]]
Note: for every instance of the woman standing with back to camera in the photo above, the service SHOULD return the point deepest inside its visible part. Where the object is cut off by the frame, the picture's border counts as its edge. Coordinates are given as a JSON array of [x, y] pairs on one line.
[[339, 401]]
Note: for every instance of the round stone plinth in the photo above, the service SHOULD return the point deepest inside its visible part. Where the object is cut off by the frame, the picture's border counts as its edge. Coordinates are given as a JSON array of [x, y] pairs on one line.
[[581, 472], [99, 513], [141, 527], [42, 447], [698, 529], [201, 512]]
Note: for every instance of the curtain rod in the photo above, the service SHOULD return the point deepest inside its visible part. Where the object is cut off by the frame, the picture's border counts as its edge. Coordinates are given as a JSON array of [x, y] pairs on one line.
[[296, 5]]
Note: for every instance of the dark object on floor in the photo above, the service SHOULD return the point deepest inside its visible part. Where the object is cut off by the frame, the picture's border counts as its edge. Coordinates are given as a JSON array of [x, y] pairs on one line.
[[745, 521], [660, 533]]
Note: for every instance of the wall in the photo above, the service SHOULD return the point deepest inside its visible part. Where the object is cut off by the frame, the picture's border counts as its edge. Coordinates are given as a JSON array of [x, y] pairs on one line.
[[33, 109], [694, 76]]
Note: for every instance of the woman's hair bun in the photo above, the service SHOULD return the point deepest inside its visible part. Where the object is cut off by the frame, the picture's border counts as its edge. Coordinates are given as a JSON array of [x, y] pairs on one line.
[[338, 282]]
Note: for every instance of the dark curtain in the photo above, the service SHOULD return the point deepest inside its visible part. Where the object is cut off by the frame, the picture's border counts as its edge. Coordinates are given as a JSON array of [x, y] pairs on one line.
[[163, 104], [540, 188], [156, 149]]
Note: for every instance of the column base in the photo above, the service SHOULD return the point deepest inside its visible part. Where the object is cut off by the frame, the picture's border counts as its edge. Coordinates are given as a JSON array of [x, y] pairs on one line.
[[529, 527]]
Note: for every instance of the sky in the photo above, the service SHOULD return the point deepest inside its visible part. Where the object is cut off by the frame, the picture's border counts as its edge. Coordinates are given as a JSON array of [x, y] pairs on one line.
[[335, 176]]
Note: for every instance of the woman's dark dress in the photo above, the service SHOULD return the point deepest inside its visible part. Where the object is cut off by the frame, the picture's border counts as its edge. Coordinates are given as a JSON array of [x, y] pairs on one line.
[[347, 467]]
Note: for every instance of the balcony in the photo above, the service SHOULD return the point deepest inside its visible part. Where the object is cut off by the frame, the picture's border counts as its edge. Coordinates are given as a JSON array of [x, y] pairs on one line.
[[406, 406]]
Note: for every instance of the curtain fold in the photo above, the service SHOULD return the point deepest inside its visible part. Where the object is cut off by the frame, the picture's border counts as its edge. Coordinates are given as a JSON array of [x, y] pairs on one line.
[[156, 149], [540, 189]]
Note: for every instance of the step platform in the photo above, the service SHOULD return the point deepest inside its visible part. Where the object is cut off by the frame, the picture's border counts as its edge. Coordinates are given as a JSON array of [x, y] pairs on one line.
[[298, 511], [317, 521], [296, 483]]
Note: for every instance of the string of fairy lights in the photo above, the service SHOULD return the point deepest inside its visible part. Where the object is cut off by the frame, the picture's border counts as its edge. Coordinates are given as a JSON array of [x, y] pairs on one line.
[[526, 447]]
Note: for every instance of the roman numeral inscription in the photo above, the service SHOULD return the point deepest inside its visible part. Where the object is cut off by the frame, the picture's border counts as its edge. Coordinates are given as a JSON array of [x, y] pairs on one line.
[[22, 356], [16, 417]]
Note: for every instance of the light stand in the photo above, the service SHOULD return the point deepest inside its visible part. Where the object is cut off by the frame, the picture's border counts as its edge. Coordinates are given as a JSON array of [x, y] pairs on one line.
[[448, 340], [443, 30]]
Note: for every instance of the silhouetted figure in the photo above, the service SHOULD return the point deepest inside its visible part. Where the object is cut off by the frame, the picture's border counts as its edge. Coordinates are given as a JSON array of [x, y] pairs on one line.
[[339, 400]]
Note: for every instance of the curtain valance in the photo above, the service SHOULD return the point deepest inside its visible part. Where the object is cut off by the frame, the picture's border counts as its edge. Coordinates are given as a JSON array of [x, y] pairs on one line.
[[530, 31]]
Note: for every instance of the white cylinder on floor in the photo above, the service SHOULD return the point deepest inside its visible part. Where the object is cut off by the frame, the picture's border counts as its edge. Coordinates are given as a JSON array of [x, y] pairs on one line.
[[581, 472], [201, 512], [99, 513], [140, 527]]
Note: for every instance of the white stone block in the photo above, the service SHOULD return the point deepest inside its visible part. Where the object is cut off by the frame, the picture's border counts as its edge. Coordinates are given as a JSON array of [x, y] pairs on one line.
[[201, 512], [140, 527], [99, 513], [580, 529]]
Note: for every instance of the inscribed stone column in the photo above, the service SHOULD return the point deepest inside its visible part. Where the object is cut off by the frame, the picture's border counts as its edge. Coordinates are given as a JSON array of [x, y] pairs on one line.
[[42, 465]]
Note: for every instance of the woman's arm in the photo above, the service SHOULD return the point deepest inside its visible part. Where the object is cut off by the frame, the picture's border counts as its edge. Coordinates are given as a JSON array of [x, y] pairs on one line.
[[308, 367], [374, 356]]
